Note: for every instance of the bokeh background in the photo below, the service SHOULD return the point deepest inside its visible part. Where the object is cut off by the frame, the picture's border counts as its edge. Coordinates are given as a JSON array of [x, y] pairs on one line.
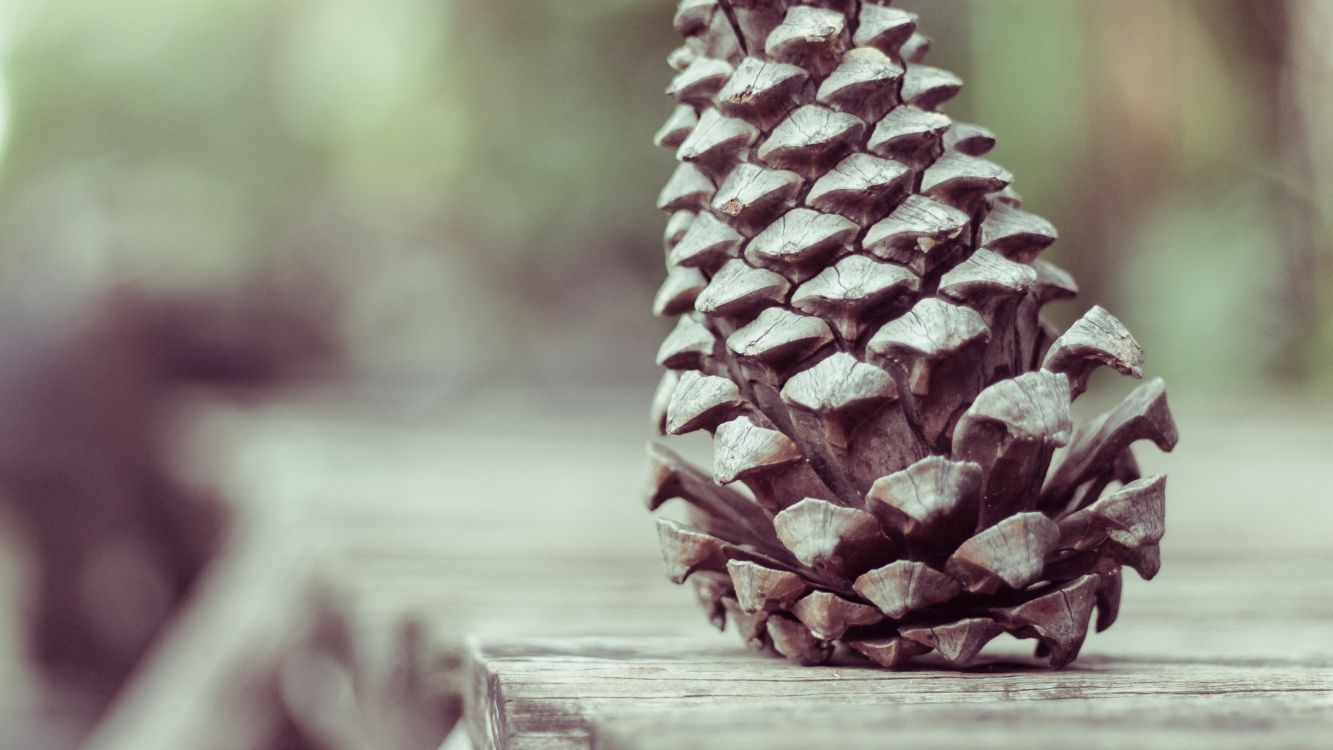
[[441, 204], [467, 185]]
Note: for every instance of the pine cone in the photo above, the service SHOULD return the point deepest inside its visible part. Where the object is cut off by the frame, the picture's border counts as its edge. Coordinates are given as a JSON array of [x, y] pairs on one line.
[[859, 326]]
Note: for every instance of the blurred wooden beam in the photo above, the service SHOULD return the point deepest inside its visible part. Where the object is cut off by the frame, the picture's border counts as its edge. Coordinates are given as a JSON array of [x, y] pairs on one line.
[[264, 656]]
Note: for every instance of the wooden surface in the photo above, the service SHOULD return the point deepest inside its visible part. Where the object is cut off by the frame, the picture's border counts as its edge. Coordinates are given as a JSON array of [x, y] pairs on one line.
[[1264, 661], [1143, 722], [505, 520]]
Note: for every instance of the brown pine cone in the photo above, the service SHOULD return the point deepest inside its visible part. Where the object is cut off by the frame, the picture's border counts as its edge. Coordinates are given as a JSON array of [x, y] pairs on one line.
[[858, 301]]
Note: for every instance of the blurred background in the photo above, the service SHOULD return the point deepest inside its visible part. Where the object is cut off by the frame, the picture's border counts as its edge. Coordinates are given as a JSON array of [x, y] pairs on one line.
[[463, 189], [428, 201]]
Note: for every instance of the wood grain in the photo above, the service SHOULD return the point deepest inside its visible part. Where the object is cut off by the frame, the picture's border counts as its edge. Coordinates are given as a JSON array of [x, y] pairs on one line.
[[545, 693], [1230, 722], [1187, 646]]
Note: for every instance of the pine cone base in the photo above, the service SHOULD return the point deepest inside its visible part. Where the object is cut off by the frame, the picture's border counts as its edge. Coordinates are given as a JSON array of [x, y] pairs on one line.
[[858, 298]]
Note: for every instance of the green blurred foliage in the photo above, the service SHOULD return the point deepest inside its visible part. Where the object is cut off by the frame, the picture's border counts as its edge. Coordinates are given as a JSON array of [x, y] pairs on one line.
[[476, 176]]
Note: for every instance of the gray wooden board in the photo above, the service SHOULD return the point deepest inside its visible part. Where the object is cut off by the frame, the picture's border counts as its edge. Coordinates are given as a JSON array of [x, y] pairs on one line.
[[1258, 631], [545, 693], [1237, 721]]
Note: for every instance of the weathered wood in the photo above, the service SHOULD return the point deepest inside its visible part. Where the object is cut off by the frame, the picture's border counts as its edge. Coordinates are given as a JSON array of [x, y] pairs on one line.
[[545, 693], [1231, 722]]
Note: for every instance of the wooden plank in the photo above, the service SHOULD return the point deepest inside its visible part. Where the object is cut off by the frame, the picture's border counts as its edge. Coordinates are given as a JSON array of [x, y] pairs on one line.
[[1230, 722], [544, 693], [1193, 632]]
